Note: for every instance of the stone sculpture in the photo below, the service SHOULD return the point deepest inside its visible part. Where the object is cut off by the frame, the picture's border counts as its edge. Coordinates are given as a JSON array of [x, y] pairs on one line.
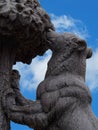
[[23, 27], [63, 93], [63, 100], [21, 110]]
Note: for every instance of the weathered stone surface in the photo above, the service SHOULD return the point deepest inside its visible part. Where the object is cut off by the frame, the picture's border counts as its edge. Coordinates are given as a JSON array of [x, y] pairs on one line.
[[26, 23], [67, 97], [19, 109], [63, 99], [23, 27]]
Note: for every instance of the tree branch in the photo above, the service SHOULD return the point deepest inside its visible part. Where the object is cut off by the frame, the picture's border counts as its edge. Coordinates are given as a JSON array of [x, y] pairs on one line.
[[21, 110]]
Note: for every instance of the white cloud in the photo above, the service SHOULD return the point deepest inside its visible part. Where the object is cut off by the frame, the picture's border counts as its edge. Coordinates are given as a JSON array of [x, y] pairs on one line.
[[33, 74], [92, 71], [62, 22], [39, 67], [65, 23]]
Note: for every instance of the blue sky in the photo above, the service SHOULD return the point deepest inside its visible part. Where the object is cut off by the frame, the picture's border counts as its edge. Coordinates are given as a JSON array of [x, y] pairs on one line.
[[76, 16]]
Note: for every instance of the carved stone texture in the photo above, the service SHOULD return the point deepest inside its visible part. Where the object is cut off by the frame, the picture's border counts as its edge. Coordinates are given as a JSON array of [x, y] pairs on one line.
[[25, 22], [20, 109], [23, 27], [13, 106], [63, 93]]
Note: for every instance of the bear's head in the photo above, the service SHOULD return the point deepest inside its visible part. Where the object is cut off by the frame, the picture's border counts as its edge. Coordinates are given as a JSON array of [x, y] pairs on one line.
[[69, 53]]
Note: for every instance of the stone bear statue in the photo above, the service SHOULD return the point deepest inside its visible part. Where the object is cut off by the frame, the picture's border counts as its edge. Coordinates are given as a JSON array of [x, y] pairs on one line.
[[63, 93]]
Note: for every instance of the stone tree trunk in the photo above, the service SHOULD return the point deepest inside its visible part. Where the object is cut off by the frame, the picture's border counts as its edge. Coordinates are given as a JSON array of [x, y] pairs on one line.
[[7, 55], [23, 27]]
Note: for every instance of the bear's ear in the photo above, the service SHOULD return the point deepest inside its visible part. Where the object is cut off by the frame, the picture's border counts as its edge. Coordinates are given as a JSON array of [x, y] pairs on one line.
[[81, 45], [89, 53]]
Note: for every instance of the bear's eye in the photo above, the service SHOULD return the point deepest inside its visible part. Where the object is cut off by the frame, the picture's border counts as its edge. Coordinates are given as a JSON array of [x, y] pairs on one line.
[[74, 45]]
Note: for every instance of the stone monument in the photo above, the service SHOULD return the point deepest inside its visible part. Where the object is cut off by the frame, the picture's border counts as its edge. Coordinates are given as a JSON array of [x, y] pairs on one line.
[[63, 100]]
